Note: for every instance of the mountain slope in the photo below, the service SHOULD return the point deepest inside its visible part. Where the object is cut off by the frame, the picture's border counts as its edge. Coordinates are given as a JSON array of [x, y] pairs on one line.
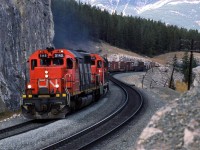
[[119, 5], [183, 13], [177, 13]]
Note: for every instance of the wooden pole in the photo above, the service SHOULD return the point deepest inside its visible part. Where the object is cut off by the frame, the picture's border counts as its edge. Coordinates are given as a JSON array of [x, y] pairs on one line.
[[190, 65]]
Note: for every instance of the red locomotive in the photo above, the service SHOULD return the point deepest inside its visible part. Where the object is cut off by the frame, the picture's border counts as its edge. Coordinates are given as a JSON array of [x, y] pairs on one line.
[[63, 80]]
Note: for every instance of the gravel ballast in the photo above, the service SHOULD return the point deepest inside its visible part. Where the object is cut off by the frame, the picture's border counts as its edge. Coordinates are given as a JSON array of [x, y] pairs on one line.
[[127, 136], [62, 128], [14, 120], [175, 125], [168, 120]]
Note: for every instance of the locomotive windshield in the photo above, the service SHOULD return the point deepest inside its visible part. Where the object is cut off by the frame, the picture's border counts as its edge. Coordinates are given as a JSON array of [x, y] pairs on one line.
[[45, 62], [51, 61], [57, 61]]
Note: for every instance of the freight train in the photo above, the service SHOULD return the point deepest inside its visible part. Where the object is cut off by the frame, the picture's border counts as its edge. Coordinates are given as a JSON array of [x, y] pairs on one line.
[[123, 66], [62, 80], [122, 63]]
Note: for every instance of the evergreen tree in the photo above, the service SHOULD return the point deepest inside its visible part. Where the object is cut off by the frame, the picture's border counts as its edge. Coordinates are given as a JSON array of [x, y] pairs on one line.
[[77, 21], [186, 64], [175, 63]]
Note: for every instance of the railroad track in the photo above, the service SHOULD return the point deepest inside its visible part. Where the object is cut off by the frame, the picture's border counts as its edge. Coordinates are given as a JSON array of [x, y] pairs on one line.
[[92, 134], [23, 127]]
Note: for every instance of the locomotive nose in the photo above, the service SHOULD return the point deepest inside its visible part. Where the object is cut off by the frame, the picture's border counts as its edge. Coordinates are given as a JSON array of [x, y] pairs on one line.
[[46, 74], [49, 80]]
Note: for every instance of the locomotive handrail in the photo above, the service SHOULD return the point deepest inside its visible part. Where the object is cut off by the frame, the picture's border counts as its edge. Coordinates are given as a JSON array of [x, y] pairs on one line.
[[70, 81], [68, 96], [97, 79], [66, 88]]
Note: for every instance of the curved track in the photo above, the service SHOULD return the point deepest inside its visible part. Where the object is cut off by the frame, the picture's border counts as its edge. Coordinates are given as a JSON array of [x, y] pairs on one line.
[[90, 135], [23, 127]]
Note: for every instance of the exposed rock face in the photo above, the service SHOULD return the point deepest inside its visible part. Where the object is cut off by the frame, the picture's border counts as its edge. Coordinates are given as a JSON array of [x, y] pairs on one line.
[[160, 77], [175, 126], [24, 27], [196, 75]]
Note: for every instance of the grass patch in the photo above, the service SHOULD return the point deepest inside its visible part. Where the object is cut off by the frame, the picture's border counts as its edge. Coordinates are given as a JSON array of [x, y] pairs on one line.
[[181, 86]]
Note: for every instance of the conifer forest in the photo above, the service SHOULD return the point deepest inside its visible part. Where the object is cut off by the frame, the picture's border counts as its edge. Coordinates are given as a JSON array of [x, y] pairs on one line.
[[78, 21]]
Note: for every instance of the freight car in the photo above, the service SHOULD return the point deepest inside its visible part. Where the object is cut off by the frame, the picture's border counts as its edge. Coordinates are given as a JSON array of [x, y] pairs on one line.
[[62, 80], [123, 66]]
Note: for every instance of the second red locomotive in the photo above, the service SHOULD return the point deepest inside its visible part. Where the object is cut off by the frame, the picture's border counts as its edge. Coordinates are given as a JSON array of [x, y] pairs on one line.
[[62, 80]]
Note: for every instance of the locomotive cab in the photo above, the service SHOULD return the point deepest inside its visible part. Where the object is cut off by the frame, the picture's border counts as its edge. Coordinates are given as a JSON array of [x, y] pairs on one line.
[[43, 77], [48, 90], [99, 67]]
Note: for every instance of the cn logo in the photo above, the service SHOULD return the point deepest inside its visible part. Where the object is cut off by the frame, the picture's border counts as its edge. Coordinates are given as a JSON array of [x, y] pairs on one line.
[[44, 83]]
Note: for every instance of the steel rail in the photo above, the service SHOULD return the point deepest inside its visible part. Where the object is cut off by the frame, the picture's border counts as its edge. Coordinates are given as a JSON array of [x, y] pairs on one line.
[[122, 123], [23, 127], [79, 140]]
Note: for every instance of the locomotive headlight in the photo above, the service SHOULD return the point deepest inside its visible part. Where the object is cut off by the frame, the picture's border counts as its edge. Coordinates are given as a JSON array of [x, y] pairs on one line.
[[57, 95], [57, 85], [46, 72], [29, 86], [64, 95], [46, 76]]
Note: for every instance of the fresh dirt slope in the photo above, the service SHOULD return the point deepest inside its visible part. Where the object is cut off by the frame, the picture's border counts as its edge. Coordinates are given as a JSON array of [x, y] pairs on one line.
[[108, 49], [165, 58]]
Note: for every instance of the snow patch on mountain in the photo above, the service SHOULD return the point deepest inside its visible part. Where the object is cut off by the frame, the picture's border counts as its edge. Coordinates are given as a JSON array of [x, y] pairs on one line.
[[183, 13], [185, 1], [198, 22], [152, 6], [165, 2], [178, 13], [124, 10]]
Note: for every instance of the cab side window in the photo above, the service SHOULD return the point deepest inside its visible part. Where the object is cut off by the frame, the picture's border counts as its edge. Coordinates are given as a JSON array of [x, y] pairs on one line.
[[93, 62], [33, 64], [69, 63], [99, 64]]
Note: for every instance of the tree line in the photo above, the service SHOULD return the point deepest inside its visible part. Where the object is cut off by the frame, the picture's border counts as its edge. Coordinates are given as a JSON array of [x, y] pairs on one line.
[[144, 36]]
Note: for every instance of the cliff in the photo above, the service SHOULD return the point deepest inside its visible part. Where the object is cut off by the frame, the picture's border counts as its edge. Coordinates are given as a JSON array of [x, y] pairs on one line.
[[174, 126], [25, 26]]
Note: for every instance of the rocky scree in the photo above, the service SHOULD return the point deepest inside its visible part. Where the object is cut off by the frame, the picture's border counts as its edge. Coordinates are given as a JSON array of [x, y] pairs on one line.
[[175, 126]]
